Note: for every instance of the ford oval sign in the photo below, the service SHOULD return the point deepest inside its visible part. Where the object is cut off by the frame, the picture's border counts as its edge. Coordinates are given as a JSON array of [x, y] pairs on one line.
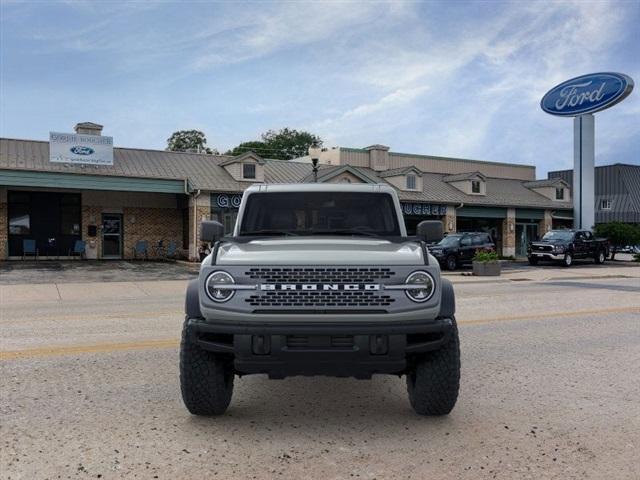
[[79, 150], [587, 94]]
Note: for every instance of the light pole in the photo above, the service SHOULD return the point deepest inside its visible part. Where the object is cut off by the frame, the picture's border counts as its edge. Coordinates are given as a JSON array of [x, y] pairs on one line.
[[314, 153]]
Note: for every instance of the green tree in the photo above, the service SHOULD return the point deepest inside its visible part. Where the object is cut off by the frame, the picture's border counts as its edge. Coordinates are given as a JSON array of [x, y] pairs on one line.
[[283, 144], [287, 144], [256, 147], [188, 141], [619, 234]]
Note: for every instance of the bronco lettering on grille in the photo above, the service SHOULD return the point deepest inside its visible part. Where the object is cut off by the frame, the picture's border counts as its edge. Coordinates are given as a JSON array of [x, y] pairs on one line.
[[319, 286]]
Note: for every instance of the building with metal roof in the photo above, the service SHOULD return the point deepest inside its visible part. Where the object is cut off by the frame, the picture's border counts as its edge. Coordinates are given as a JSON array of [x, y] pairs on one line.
[[134, 196], [617, 191]]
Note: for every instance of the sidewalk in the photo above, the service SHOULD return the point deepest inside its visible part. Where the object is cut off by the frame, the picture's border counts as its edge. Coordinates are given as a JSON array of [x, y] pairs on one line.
[[519, 272], [41, 293]]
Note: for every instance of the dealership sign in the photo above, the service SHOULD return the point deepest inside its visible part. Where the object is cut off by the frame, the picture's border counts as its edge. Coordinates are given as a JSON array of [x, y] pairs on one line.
[[227, 201], [423, 209], [579, 98], [587, 94], [80, 149]]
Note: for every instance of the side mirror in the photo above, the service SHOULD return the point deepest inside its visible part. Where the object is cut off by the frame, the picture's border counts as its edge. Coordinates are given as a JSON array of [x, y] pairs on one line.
[[430, 231], [211, 231]]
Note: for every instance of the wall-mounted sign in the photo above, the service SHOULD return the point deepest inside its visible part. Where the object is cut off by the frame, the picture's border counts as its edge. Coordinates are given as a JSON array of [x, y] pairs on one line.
[[80, 149], [587, 94], [224, 200], [423, 209]]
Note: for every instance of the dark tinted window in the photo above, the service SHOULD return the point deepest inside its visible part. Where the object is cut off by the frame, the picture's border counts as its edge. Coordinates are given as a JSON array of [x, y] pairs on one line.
[[318, 213], [248, 170], [558, 235], [478, 240], [465, 242], [450, 241]]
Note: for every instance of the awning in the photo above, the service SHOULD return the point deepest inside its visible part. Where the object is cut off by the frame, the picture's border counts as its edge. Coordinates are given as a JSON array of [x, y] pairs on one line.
[[30, 178]]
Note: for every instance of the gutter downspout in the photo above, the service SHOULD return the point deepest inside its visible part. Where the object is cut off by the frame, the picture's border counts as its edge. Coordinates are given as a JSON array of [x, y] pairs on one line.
[[456, 210], [195, 196]]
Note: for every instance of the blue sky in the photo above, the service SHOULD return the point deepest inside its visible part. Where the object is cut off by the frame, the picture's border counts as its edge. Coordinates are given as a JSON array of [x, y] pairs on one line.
[[441, 78]]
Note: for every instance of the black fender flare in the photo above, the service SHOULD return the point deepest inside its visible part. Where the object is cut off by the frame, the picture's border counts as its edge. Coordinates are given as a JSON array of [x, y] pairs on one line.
[[447, 300], [192, 300]]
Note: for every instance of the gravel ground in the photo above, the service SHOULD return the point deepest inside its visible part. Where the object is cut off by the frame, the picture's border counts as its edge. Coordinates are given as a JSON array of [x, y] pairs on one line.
[[549, 390]]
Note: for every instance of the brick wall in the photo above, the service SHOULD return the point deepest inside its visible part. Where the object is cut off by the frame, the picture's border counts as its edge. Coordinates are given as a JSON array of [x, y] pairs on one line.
[[202, 212], [92, 216], [449, 220], [545, 224], [509, 233], [152, 225]]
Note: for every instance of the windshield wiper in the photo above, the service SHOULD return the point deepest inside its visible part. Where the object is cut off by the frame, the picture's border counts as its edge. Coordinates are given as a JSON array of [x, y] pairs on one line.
[[267, 231], [346, 231]]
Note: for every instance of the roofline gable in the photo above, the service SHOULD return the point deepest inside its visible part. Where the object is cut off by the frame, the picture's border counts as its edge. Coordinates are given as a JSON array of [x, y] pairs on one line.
[[461, 177], [337, 171], [248, 155], [399, 173]]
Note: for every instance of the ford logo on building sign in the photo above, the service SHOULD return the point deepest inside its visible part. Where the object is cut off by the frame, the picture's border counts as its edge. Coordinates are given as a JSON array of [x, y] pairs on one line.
[[587, 94], [80, 150]]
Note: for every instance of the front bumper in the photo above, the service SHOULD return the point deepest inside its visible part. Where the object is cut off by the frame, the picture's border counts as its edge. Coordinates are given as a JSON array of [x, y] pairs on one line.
[[357, 349], [546, 255]]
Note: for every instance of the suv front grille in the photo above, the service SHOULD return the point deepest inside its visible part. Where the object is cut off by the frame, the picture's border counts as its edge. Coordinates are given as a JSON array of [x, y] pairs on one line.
[[319, 274], [338, 298]]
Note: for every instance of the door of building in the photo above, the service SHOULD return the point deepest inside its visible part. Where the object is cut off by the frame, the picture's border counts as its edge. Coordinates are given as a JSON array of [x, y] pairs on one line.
[[525, 233], [112, 235]]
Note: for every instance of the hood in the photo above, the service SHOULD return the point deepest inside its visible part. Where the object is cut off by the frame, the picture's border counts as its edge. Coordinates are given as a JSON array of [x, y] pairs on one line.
[[550, 242], [320, 251]]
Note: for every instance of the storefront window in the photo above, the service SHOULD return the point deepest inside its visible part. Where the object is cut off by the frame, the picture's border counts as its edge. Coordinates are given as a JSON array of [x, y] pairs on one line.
[[51, 219], [19, 217], [19, 221]]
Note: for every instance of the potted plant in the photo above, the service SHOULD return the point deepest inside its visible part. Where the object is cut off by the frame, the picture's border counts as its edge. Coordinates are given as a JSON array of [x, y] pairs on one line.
[[486, 264]]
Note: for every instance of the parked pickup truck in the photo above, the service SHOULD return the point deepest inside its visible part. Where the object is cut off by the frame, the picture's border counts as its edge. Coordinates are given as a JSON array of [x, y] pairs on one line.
[[565, 246], [320, 279]]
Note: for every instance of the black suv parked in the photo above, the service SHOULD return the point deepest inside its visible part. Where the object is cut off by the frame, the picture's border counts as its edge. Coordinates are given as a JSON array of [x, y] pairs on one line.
[[459, 248]]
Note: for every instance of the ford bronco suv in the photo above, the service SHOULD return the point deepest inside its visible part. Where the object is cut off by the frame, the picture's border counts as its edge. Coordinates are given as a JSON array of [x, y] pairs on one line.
[[320, 280]]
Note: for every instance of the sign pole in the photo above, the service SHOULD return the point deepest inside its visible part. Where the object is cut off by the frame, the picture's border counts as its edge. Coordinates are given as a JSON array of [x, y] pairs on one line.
[[583, 171]]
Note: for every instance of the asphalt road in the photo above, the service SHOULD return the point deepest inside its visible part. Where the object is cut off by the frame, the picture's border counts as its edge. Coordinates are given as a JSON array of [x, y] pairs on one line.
[[550, 386]]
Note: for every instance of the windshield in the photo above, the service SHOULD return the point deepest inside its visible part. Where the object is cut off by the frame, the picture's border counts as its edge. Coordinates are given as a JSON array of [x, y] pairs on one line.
[[449, 241], [558, 235], [320, 213]]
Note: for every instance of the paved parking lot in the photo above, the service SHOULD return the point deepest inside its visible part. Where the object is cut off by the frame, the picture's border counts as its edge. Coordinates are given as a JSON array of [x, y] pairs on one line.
[[549, 390]]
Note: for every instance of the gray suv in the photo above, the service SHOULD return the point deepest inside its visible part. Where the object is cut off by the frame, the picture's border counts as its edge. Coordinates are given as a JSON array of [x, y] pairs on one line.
[[320, 280]]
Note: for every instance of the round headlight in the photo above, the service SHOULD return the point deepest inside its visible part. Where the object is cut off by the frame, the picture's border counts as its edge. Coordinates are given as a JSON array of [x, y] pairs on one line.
[[215, 286], [425, 286]]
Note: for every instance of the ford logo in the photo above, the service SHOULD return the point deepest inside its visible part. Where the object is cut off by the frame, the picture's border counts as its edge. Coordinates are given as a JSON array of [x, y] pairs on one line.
[[587, 94], [79, 150]]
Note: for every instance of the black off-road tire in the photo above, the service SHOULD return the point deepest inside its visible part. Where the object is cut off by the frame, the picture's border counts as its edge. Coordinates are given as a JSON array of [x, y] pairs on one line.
[[451, 263], [206, 378], [567, 261], [434, 383], [532, 260], [600, 257]]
